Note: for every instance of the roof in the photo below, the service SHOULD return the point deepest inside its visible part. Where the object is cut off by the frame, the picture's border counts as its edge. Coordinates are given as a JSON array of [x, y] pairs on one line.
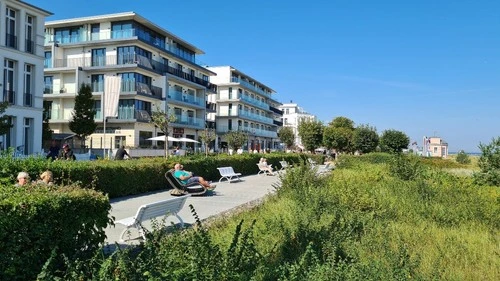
[[47, 13]]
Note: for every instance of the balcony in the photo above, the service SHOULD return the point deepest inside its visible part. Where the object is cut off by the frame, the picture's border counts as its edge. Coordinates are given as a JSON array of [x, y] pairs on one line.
[[278, 123], [48, 90], [276, 110], [187, 76], [121, 34], [29, 46], [183, 97], [252, 132], [250, 86], [28, 99], [126, 113], [9, 96], [141, 88], [47, 63], [255, 102], [190, 121], [11, 40], [247, 115]]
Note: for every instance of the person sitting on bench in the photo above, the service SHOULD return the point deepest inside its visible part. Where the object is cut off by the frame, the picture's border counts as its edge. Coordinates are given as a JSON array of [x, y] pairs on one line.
[[186, 177]]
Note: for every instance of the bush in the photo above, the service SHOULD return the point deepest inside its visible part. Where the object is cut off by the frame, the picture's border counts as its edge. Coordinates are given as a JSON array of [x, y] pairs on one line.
[[462, 157], [38, 221], [489, 163], [405, 167]]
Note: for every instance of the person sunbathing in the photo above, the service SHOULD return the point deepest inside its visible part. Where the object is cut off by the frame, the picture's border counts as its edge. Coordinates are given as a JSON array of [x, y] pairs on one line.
[[186, 177]]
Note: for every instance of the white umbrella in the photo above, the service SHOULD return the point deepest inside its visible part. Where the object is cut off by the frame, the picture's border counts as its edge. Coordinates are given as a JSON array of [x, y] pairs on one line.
[[187, 140], [162, 138]]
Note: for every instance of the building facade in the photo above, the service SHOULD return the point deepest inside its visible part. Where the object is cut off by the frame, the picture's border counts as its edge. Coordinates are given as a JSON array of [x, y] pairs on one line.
[[435, 147], [243, 104], [292, 115], [21, 82], [158, 71]]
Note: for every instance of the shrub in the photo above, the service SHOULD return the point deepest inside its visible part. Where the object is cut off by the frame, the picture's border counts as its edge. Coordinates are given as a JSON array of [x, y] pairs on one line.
[[405, 167], [462, 157], [38, 220], [489, 163]]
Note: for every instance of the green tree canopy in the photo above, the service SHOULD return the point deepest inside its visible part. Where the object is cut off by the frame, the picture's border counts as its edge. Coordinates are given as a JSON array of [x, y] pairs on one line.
[[365, 139], [342, 122], [338, 138], [310, 133], [83, 123], [394, 141], [236, 139], [489, 163], [287, 136], [207, 136], [4, 119], [162, 120]]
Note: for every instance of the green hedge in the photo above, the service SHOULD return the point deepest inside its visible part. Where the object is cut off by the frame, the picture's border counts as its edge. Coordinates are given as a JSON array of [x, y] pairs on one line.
[[38, 221], [122, 178]]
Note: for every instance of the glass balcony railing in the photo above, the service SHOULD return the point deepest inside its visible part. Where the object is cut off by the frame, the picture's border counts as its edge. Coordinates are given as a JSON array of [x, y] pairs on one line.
[[255, 102], [191, 121], [252, 132], [245, 114], [180, 96], [250, 86]]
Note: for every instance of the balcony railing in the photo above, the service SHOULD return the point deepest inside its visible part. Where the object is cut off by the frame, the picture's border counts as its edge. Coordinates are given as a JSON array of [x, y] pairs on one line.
[[246, 114], [47, 63], [141, 88], [255, 102], [48, 90], [191, 121], [121, 34], [9, 96], [28, 99], [30, 46], [187, 76], [11, 40], [179, 96], [252, 132], [127, 113], [250, 86]]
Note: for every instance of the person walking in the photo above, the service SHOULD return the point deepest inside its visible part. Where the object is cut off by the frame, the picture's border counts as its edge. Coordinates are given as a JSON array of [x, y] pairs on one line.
[[120, 153]]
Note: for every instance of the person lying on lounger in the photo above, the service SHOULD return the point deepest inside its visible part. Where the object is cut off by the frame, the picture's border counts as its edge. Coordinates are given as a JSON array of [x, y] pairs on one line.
[[187, 177]]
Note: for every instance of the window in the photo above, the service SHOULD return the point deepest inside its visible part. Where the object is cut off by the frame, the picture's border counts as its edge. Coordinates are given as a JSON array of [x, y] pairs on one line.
[[28, 85], [97, 108], [230, 93], [122, 29], [120, 141], [95, 29], [30, 43], [28, 136], [47, 63], [47, 110], [49, 84], [10, 28], [229, 124], [9, 93], [97, 82], [99, 57], [143, 136], [67, 34]]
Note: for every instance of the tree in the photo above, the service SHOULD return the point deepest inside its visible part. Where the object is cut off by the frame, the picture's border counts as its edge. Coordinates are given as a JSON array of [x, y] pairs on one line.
[[207, 136], [462, 157], [342, 122], [162, 120], [46, 131], [489, 163], [4, 119], [236, 139], [338, 134], [365, 139], [394, 141], [287, 136], [310, 133], [83, 123]]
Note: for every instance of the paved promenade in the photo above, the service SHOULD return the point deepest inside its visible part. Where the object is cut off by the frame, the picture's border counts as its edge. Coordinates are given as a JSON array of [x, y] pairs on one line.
[[225, 197]]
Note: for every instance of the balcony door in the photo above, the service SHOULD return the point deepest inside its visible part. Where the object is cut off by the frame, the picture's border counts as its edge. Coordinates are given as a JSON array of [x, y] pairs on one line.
[[99, 57]]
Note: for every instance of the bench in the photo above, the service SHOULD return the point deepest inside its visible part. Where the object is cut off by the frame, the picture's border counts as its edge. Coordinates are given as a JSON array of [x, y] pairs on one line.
[[265, 169], [193, 188], [228, 173], [284, 165], [149, 211]]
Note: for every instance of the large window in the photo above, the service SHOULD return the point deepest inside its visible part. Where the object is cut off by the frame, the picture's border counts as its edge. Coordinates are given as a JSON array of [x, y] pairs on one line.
[[10, 28], [97, 108], [47, 63], [132, 55], [143, 136], [68, 34], [95, 29], [97, 82], [99, 57], [29, 30], [47, 110], [9, 93], [132, 81], [28, 85], [49, 85]]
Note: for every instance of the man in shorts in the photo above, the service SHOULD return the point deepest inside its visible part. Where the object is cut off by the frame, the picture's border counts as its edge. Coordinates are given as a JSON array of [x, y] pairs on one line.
[[187, 177]]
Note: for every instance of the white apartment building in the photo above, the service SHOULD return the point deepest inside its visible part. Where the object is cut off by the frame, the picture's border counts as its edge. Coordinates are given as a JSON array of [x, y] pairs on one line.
[[243, 104], [292, 115], [21, 82], [157, 70]]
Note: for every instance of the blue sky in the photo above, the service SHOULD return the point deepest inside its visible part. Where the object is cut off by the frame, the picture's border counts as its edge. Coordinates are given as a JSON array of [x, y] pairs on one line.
[[422, 67]]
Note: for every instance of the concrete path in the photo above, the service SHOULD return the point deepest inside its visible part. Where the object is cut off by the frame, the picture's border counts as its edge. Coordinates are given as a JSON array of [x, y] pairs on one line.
[[225, 197]]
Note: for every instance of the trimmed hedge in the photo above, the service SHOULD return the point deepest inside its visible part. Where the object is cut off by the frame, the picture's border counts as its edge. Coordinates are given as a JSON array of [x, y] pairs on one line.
[[122, 178], [38, 222]]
